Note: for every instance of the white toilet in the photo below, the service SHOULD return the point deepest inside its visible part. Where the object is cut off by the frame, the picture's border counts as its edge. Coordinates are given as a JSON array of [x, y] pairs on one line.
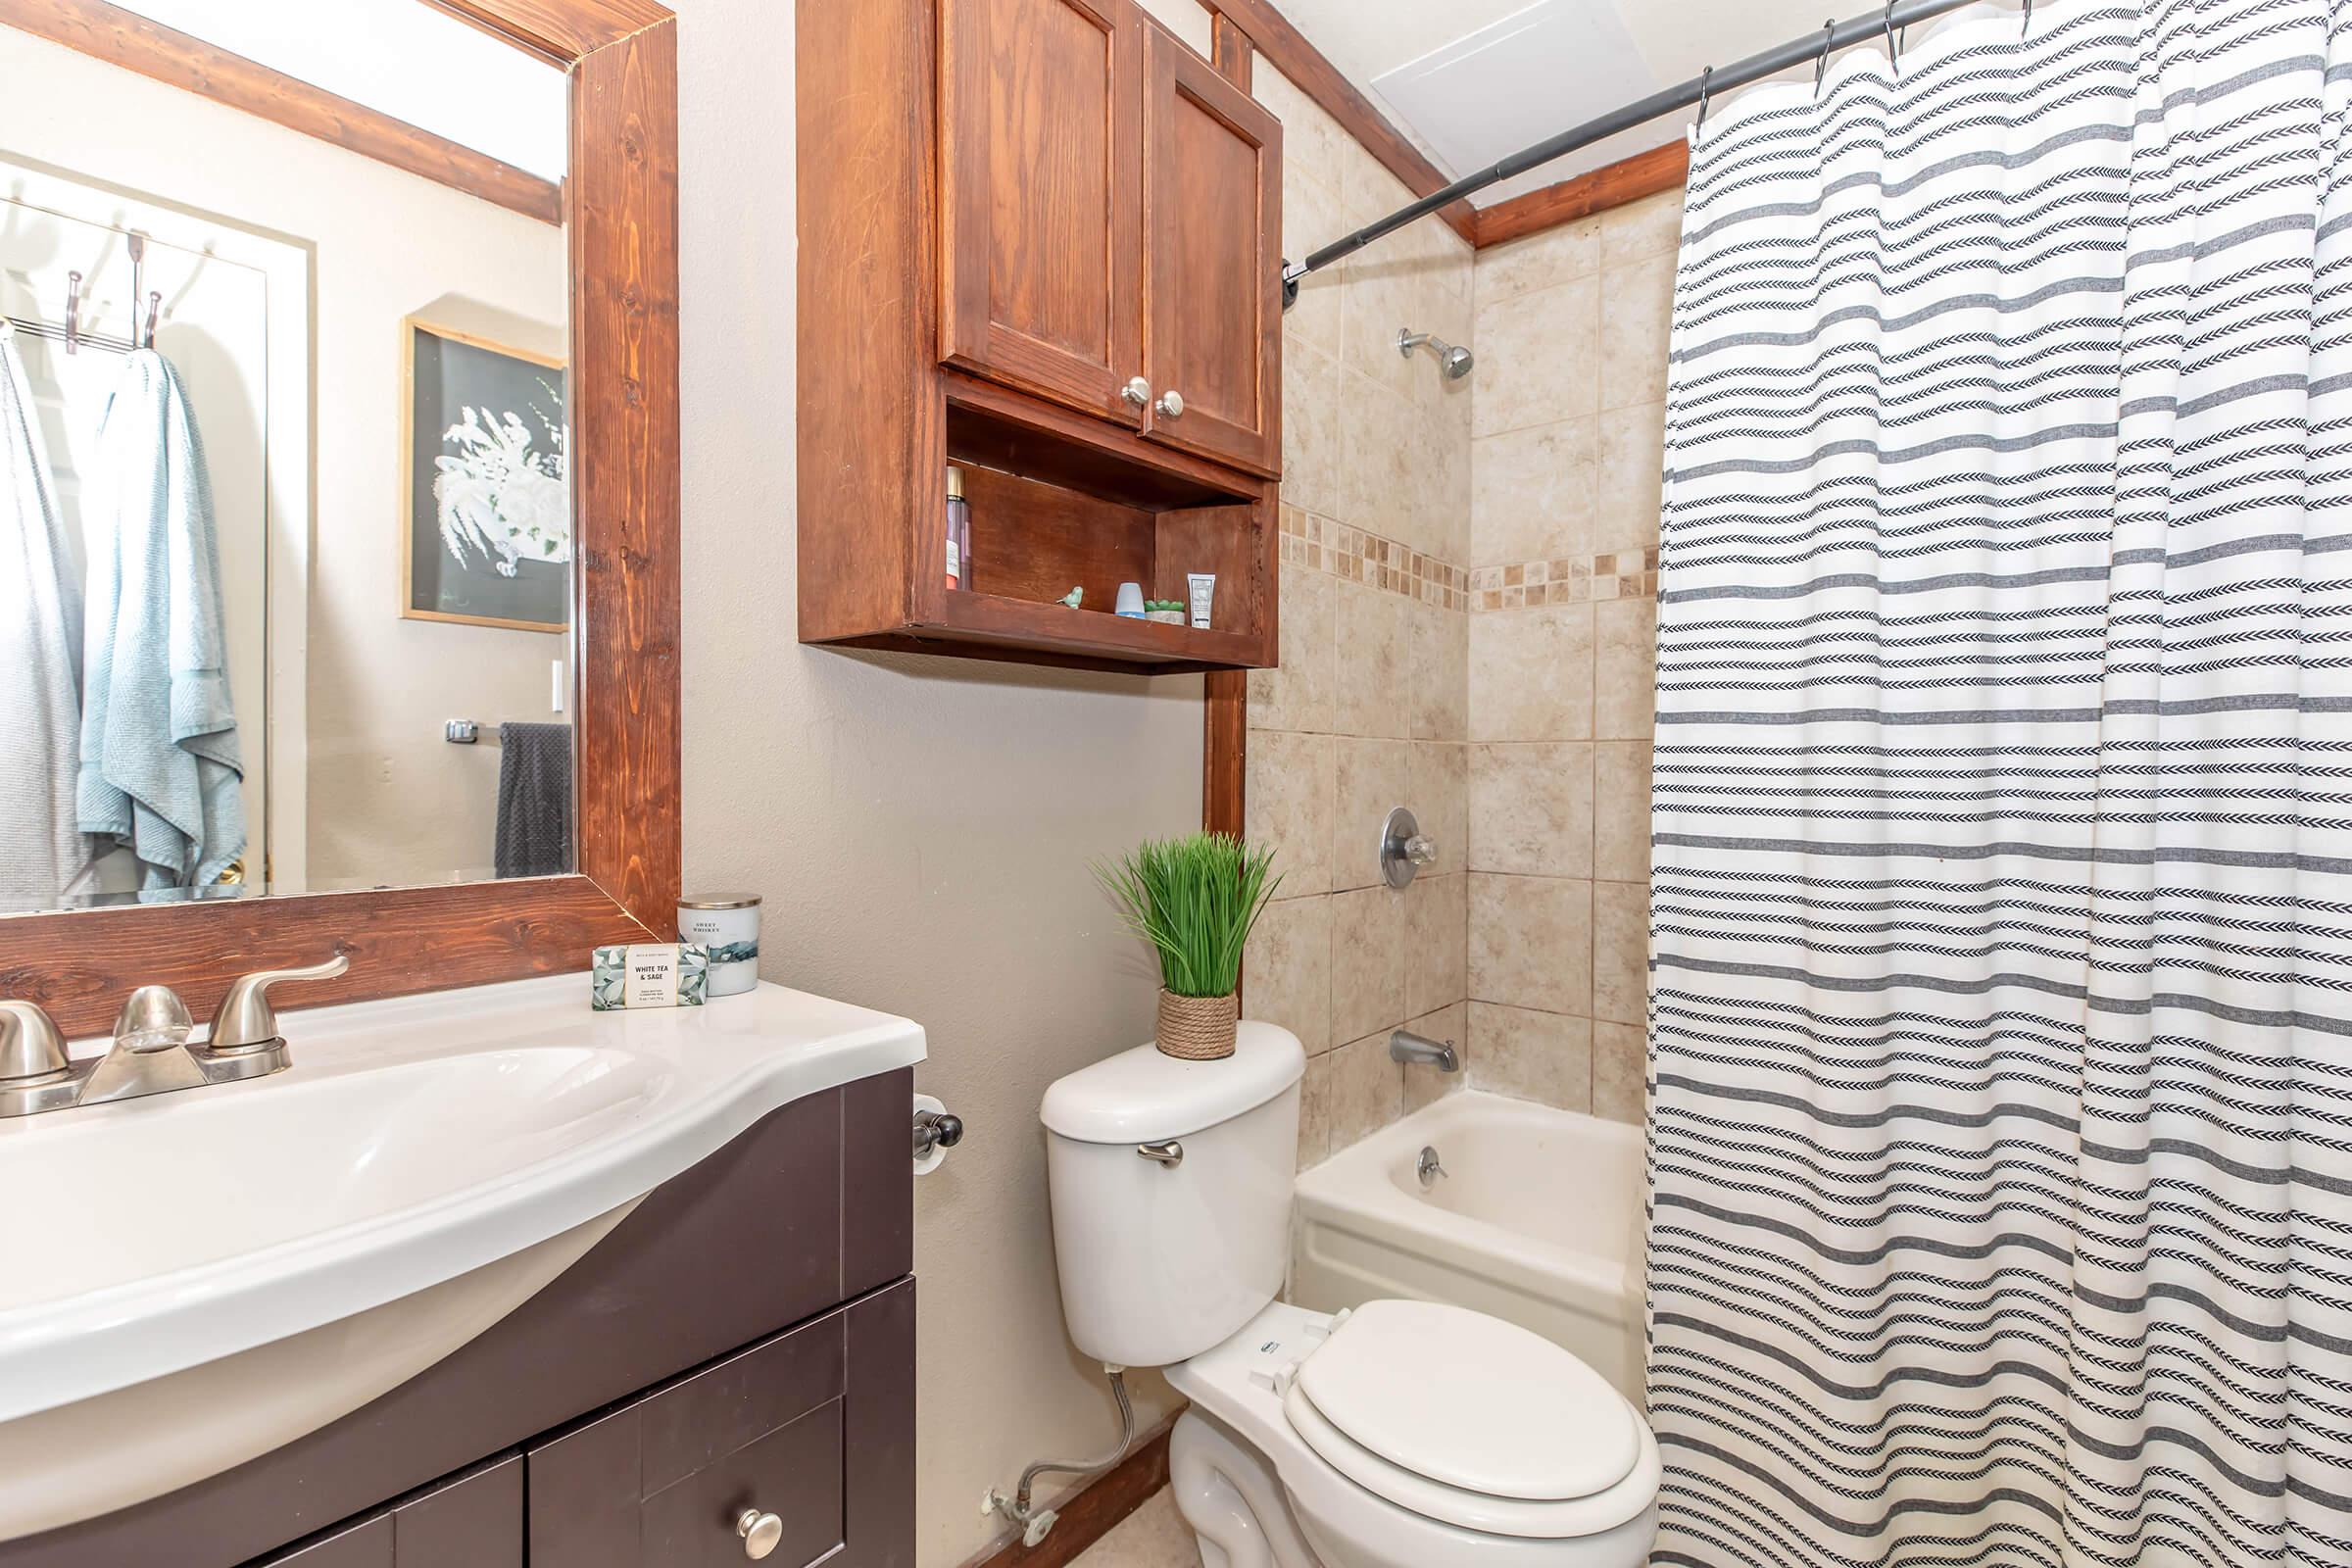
[[1402, 1435]]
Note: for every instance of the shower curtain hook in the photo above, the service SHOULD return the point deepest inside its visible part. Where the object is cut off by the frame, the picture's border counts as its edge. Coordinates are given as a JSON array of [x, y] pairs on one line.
[[2027, 31], [1893, 58], [73, 312], [1821, 66], [1704, 77]]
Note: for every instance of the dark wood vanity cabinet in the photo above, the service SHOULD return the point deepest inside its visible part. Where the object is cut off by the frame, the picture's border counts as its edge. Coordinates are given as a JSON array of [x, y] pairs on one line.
[[743, 1340]]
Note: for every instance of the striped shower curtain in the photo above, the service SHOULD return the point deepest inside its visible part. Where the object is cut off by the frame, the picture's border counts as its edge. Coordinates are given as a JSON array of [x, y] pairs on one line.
[[2001, 1013]]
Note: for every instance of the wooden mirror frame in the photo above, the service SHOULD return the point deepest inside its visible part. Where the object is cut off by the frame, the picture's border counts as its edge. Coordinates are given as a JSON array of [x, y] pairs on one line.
[[621, 203]]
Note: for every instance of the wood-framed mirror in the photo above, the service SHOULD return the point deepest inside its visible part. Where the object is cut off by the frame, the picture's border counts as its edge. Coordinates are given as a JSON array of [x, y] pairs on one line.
[[243, 858]]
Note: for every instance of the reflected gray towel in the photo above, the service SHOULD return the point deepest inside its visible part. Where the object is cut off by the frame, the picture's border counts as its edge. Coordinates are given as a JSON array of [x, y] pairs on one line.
[[159, 769], [43, 852], [534, 799]]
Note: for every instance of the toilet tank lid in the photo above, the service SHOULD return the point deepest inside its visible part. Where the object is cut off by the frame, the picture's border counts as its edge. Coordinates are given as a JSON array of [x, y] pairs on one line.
[[1144, 1095]]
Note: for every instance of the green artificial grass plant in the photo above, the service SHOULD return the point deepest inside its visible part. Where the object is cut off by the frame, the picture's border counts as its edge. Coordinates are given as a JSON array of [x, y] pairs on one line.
[[1194, 900]]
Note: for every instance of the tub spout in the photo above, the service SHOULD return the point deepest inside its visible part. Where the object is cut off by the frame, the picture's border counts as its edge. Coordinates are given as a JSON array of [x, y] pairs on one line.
[[1408, 1046]]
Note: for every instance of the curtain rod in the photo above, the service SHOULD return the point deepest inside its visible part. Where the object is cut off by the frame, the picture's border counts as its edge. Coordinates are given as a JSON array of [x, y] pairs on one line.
[[1817, 46]]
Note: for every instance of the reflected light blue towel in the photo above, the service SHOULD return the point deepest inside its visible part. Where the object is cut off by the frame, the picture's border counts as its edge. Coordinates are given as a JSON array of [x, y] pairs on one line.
[[42, 852], [159, 768]]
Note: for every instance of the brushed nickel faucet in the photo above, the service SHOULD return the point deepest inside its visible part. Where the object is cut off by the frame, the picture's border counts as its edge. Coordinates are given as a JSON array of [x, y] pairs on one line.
[[150, 1054]]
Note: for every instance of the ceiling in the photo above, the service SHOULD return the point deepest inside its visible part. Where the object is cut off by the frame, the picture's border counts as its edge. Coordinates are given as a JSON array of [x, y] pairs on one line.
[[413, 63], [1474, 81]]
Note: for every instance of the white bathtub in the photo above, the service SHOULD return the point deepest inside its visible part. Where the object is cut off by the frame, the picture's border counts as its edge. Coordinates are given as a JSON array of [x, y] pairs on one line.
[[1537, 1221]]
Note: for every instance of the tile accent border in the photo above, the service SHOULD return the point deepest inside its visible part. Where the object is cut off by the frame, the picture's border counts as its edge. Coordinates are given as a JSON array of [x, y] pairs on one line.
[[1572, 579], [1324, 544]]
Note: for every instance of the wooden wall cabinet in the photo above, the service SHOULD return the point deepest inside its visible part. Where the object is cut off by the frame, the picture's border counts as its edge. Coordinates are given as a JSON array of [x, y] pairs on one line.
[[1038, 240]]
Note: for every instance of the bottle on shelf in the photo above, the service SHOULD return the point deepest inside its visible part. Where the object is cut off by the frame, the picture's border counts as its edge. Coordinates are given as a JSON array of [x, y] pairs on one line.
[[960, 531]]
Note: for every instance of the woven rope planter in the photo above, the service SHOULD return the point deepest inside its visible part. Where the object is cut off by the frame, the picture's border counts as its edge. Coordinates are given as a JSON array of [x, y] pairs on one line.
[[1197, 1028]]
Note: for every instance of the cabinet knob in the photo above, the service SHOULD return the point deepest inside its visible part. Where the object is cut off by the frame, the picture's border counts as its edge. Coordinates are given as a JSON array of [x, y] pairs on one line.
[[760, 1532], [1170, 404], [1137, 391]]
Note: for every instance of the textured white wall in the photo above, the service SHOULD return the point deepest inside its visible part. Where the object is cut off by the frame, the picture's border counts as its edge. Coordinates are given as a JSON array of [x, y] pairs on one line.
[[920, 826]]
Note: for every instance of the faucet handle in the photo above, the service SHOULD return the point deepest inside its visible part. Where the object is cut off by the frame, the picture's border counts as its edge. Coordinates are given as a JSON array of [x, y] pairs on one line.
[[32, 1051], [245, 1021]]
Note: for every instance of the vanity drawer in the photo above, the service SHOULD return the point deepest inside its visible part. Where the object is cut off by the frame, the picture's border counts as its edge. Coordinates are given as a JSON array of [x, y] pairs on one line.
[[472, 1520], [664, 1480]]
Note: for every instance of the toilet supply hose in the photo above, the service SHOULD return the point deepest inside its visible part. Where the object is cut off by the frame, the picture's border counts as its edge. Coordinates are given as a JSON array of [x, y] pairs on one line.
[[1020, 1507]]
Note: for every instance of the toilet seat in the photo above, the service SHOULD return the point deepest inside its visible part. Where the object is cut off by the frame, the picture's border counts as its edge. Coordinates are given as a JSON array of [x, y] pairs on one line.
[[1466, 1419]]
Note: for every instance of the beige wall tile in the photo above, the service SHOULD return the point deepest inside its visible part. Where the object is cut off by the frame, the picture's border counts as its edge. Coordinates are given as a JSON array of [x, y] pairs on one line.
[[1530, 809], [1285, 972], [1437, 951], [1559, 255], [1637, 314], [1374, 663], [1544, 1057], [1318, 319], [1424, 1084], [1532, 493], [1531, 943], [1531, 673], [1367, 961], [1442, 465], [1373, 778], [1288, 807], [1538, 358], [1440, 651], [1640, 230], [1310, 428], [1301, 693], [1621, 951], [1381, 294], [1628, 477], [1621, 811], [1620, 1068], [1310, 138], [1314, 1109], [1439, 795], [1367, 1090], [1379, 475], [1625, 636]]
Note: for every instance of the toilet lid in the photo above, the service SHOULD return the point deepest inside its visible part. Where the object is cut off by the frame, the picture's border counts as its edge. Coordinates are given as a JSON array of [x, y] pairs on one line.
[[1469, 1402]]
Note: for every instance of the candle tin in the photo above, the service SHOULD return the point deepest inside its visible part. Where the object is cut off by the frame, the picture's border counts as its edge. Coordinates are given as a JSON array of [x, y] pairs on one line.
[[728, 924]]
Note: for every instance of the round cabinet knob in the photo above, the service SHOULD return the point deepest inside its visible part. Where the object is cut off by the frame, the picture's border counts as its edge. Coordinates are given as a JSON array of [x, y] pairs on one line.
[[1137, 391], [761, 1533], [1170, 404]]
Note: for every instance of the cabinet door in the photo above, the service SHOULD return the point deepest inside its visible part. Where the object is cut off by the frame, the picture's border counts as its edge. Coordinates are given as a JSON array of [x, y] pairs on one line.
[[667, 1480], [1212, 262], [1040, 198]]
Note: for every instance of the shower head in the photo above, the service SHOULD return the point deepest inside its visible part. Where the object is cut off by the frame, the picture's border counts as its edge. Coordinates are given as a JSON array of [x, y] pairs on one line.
[[1453, 359]]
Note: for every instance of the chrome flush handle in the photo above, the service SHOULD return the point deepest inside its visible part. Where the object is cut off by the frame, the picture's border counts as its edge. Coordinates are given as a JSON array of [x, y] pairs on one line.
[[1170, 1153]]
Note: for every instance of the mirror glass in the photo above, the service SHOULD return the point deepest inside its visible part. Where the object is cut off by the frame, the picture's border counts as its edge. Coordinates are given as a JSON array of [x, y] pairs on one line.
[[286, 531]]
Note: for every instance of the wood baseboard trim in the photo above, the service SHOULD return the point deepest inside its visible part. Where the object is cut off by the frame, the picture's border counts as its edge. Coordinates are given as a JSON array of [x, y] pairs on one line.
[[1094, 1507]]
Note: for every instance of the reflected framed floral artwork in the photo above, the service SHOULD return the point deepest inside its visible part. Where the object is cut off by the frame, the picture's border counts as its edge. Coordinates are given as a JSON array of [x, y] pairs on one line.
[[486, 525]]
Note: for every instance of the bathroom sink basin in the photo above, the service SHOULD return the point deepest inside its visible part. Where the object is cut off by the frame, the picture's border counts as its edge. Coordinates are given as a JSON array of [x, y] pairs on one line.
[[193, 1278]]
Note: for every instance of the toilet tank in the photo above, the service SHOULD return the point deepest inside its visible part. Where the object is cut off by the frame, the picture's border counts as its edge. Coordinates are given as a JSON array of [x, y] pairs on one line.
[[1163, 1258]]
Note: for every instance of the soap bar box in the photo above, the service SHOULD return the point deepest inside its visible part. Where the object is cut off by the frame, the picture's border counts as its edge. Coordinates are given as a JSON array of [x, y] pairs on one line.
[[650, 974]]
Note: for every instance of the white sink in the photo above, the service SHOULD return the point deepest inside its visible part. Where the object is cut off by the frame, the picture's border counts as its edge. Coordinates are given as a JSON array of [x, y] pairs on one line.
[[192, 1279]]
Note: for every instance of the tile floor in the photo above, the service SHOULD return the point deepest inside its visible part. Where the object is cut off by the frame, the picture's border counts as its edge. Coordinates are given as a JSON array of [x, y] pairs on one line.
[[1152, 1537]]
